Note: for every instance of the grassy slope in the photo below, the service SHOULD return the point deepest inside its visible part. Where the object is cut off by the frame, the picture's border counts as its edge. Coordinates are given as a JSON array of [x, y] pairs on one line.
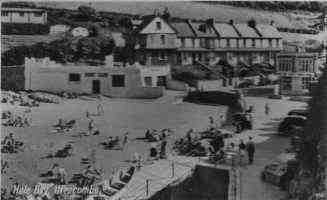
[[194, 10]]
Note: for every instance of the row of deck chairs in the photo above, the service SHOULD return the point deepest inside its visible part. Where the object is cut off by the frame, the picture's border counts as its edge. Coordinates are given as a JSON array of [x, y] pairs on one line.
[[63, 126]]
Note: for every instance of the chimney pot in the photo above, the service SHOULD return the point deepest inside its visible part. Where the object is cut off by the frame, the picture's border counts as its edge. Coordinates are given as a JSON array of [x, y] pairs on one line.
[[231, 22]]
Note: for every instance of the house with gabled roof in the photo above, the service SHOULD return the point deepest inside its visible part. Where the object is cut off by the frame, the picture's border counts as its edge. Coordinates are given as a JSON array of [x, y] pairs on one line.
[[186, 42], [157, 40]]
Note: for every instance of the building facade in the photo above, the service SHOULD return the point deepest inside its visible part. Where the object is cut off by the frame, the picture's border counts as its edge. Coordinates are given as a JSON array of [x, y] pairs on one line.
[[133, 81], [297, 71], [23, 15], [186, 42]]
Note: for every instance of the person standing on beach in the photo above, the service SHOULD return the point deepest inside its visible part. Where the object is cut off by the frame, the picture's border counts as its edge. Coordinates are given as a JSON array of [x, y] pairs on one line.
[[125, 140], [267, 109], [250, 148]]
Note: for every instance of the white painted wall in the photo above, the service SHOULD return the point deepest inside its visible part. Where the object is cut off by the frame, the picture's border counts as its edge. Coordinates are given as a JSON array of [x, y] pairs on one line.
[[258, 43], [265, 43], [152, 27], [59, 28], [80, 31], [178, 43], [274, 43], [196, 43], [233, 43], [24, 17], [46, 75], [188, 42]]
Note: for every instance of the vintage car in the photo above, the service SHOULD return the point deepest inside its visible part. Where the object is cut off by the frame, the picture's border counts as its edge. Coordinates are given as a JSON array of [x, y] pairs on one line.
[[242, 121], [301, 112], [281, 170], [288, 126]]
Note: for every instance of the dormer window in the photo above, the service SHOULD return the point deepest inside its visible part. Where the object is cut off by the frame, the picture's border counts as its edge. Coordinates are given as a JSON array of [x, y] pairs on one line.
[[202, 28], [158, 25]]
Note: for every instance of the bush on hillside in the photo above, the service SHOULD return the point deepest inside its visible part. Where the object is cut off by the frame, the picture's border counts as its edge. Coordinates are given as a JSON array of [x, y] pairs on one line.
[[24, 29], [68, 49]]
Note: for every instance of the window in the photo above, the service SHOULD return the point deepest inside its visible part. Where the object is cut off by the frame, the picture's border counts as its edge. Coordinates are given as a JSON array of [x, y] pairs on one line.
[[202, 43], [293, 67], [158, 24], [38, 14], [161, 81], [21, 14], [89, 74], [183, 42], [230, 81], [228, 42], [4, 13], [148, 81], [193, 43], [306, 82], [162, 39], [162, 56], [270, 42], [244, 43], [118, 80], [102, 75], [253, 42], [286, 83], [74, 77]]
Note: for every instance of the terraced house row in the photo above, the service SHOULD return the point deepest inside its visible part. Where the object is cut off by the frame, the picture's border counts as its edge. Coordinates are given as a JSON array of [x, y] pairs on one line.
[[163, 41]]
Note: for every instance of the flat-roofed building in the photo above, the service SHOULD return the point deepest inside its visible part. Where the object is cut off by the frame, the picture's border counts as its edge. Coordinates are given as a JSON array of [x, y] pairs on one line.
[[23, 15]]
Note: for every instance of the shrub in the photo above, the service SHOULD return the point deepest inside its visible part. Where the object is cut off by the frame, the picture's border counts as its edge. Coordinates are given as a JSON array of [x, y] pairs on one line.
[[24, 29]]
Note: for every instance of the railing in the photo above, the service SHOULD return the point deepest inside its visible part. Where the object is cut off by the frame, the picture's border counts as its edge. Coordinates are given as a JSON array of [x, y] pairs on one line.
[[158, 62]]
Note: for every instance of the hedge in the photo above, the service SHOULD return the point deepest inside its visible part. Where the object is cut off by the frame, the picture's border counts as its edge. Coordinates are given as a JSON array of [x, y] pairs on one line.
[[24, 29]]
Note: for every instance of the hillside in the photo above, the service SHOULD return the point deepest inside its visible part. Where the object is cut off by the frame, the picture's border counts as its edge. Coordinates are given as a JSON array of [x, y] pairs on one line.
[[10, 41], [312, 6], [197, 10]]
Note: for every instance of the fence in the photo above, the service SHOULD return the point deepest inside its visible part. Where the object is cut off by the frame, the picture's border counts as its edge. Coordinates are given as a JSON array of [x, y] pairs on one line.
[[213, 97], [177, 85], [261, 90]]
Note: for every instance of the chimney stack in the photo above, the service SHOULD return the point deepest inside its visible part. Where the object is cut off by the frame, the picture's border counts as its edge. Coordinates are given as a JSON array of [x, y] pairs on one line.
[[210, 21], [252, 23]]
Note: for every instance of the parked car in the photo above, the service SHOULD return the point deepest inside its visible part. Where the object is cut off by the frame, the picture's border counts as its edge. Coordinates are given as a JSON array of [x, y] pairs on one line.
[[302, 112], [275, 96], [288, 125], [281, 170], [242, 121]]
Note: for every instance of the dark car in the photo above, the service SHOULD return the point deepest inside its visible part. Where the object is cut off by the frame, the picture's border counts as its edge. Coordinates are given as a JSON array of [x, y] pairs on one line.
[[242, 121], [281, 170], [290, 123], [301, 112]]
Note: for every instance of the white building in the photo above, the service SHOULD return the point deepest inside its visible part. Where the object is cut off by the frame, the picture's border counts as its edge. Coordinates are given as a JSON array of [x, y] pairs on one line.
[[59, 28], [80, 31], [23, 15], [132, 81]]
